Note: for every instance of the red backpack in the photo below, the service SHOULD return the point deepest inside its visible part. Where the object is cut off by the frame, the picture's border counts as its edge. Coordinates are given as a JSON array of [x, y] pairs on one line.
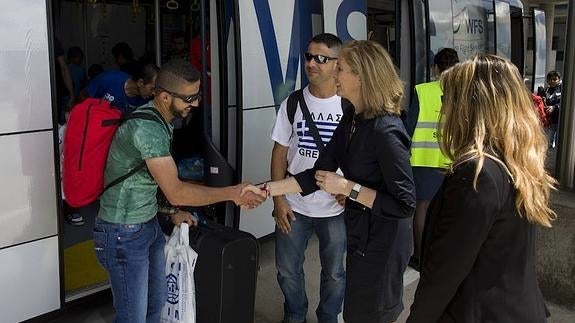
[[540, 108], [91, 127]]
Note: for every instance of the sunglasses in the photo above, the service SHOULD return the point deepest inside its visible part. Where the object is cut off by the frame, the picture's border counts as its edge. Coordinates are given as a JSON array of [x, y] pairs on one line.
[[186, 98], [320, 59]]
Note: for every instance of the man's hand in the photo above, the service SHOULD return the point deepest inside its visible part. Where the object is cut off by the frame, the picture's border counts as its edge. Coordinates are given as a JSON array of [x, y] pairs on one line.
[[341, 199], [183, 216], [283, 214], [332, 182], [248, 196]]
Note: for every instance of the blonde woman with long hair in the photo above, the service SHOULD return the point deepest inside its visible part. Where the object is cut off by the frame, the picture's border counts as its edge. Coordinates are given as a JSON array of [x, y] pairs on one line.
[[479, 239]]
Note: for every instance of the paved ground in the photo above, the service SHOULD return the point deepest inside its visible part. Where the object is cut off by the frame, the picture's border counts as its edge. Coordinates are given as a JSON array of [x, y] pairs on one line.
[[269, 299]]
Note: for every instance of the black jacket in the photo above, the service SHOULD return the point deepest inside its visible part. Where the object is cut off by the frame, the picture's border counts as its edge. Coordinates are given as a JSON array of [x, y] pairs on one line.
[[374, 153], [478, 254], [552, 97]]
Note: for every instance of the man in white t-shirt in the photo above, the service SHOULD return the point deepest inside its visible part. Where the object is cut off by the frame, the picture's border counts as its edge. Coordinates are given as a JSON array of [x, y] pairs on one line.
[[297, 217]]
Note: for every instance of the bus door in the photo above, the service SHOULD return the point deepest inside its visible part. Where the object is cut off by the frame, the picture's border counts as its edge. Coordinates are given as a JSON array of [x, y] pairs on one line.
[[539, 49], [503, 29], [96, 28], [399, 27], [517, 38], [156, 31], [535, 49], [201, 141]]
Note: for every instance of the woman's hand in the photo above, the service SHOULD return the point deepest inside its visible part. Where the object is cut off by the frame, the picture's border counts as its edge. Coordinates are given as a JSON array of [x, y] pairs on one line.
[[183, 216], [333, 183]]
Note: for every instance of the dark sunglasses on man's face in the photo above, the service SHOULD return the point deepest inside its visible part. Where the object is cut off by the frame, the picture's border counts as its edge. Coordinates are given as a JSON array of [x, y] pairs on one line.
[[320, 59], [188, 98]]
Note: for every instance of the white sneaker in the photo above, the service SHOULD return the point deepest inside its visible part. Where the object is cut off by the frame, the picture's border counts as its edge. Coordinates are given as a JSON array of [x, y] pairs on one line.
[[75, 219]]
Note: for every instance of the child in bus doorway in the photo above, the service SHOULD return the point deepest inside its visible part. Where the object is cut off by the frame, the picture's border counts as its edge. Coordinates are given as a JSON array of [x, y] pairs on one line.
[[552, 96]]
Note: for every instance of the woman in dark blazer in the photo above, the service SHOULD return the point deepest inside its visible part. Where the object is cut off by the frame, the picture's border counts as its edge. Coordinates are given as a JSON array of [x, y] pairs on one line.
[[371, 147], [479, 238]]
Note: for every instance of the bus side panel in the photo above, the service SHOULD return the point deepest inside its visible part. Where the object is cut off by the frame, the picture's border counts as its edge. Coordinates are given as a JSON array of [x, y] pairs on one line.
[[270, 60], [29, 284], [257, 150], [262, 48], [29, 275], [27, 194], [346, 19], [24, 68]]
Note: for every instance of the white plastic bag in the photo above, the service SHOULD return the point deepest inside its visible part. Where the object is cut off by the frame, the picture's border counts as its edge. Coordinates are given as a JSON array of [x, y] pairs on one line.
[[180, 306]]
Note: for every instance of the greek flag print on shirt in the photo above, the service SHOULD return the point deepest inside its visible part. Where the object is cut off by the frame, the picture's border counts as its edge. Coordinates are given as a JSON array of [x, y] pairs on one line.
[[325, 128]]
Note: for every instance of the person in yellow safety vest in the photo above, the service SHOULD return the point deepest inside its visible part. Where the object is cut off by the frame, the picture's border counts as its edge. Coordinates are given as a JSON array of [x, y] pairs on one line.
[[427, 161]]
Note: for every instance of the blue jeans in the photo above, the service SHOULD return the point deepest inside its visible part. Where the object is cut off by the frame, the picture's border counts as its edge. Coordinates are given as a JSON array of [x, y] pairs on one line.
[[290, 256], [133, 256], [552, 133]]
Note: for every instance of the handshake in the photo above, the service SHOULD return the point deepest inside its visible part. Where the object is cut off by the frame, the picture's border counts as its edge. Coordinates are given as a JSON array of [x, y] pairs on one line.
[[249, 196]]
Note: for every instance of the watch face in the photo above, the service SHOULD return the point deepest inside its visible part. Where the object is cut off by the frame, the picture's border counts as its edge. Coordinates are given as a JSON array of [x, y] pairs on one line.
[[353, 194]]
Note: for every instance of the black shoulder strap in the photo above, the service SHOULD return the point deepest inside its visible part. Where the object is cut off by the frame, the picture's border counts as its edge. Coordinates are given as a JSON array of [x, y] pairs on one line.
[[309, 121], [138, 114], [125, 176], [292, 106]]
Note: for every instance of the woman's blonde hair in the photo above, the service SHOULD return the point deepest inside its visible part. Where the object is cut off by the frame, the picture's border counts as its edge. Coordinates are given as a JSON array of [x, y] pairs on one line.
[[488, 112], [381, 88]]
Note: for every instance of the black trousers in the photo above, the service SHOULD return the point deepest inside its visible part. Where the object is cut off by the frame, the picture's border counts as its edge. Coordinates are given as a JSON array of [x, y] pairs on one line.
[[378, 251]]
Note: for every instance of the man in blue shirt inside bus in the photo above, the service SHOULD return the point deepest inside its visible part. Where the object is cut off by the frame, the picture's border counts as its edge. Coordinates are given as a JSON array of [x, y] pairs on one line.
[[122, 90]]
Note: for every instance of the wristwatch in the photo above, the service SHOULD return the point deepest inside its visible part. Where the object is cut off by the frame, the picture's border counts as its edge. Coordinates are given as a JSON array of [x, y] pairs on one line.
[[354, 191]]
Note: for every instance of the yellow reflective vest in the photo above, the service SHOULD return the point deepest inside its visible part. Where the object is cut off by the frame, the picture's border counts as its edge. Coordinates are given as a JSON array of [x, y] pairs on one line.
[[425, 150]]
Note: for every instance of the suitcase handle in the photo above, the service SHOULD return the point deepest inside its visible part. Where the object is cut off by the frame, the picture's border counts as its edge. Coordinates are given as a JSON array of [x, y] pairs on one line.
[[195, 232]]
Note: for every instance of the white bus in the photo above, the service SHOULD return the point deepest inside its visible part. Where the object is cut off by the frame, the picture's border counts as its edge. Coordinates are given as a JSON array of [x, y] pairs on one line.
[[255, 59]]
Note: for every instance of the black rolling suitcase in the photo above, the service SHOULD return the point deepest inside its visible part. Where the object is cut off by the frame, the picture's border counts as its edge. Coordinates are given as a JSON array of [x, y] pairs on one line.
[[225, 273]]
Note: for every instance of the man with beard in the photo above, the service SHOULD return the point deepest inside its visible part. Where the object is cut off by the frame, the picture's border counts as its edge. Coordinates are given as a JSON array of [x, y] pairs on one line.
[[297, 217], [128, 240]]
